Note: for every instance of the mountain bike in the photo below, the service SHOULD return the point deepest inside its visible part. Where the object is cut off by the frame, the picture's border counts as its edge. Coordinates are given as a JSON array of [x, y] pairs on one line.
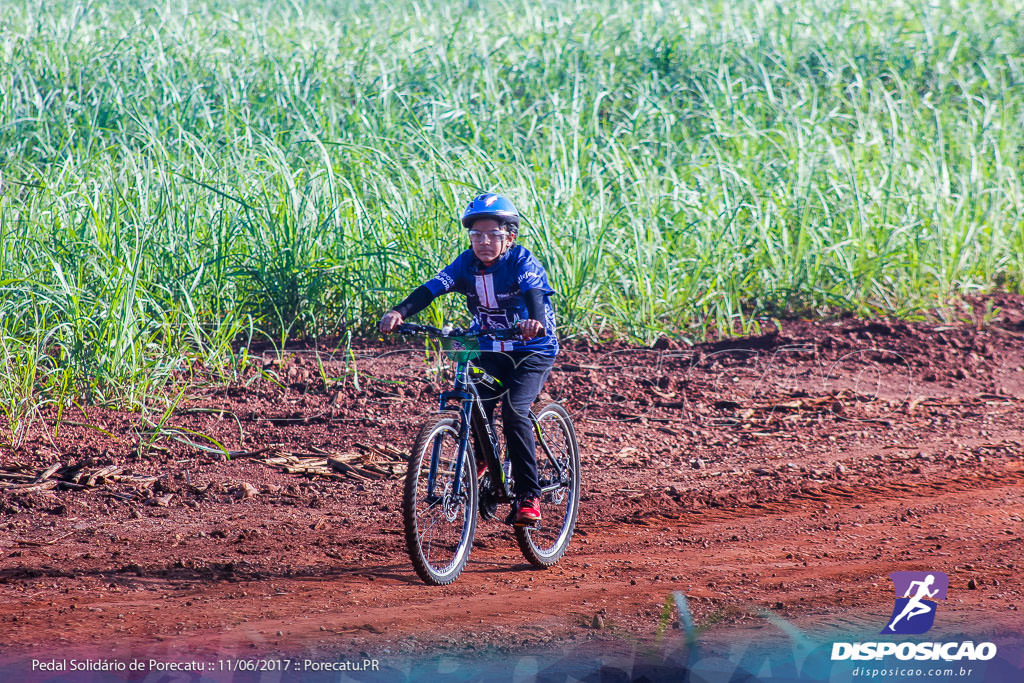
[[444, 489]]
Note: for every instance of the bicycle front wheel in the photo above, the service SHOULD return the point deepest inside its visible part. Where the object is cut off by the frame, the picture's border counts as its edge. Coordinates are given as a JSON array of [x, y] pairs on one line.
[[558, 469], [439, 524]]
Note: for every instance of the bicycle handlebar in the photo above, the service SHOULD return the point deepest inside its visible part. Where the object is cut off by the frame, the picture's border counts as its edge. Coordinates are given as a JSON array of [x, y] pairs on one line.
[[429, 330]]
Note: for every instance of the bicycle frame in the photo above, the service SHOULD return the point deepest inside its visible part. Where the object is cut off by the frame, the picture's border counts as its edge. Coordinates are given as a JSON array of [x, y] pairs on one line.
[[465, 399], [472, 417]]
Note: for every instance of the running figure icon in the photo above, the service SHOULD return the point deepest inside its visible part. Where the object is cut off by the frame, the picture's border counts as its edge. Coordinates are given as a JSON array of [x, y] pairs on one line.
[[919, 591], [915, 607]]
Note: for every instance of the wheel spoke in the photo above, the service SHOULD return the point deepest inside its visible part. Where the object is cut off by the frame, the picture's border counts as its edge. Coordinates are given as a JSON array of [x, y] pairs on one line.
[[430, 539], [439, 532], [558, 470]]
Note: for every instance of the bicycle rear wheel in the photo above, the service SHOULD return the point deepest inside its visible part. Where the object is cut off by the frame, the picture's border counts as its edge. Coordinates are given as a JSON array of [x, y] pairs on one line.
[[545, 544], [439, 525]]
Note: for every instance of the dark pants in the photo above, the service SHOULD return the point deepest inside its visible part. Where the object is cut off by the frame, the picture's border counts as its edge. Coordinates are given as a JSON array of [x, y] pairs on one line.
[[522, 374]]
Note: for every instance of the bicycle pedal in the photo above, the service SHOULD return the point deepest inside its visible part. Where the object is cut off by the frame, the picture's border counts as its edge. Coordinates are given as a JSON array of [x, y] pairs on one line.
[[527, 524]]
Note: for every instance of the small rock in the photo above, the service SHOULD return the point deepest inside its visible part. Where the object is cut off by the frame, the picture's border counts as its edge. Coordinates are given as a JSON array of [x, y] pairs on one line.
[[597, 621], [840, 468], [280, 633], [972, 585], [247, 490]]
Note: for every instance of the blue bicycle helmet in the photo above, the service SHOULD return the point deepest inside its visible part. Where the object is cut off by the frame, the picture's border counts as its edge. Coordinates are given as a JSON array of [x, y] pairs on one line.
[[494, 206]]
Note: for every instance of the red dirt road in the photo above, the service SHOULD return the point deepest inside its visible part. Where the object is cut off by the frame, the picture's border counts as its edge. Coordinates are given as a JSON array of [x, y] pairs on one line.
[[792, 471]]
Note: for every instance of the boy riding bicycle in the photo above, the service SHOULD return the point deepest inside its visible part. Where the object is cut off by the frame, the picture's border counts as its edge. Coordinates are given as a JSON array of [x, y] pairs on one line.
[[505, 286]]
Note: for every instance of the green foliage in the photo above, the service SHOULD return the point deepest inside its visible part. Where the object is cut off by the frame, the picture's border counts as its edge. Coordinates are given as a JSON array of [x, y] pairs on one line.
[[177, 177]]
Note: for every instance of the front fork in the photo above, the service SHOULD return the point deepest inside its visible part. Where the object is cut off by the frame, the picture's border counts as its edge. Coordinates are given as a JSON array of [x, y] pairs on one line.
[[460, 457], [466, 400]]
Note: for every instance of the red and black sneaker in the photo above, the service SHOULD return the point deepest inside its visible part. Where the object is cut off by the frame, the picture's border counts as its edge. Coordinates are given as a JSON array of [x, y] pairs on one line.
[[528, 512]]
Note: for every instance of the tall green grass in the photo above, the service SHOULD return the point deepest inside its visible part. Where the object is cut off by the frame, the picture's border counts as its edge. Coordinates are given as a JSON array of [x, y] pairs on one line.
[[176, 178]]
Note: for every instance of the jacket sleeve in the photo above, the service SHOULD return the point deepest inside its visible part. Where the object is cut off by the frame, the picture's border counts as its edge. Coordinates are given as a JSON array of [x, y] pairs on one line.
[[415, 302], [448, 279], [532, 276], [535, 303]]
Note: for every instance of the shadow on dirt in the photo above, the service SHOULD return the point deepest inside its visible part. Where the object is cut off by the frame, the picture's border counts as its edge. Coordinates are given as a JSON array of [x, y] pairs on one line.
[[131, 575]]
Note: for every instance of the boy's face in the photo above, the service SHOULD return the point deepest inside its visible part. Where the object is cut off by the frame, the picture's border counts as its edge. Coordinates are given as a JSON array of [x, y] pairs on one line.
[[487, 239]]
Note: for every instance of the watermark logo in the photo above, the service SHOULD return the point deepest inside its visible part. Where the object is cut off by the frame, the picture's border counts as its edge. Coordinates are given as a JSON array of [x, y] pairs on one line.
[[916, 595], [914, 613]]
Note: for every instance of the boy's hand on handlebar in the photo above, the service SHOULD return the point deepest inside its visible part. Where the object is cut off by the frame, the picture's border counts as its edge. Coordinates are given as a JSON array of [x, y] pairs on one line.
[[390, 321], [530, 328]]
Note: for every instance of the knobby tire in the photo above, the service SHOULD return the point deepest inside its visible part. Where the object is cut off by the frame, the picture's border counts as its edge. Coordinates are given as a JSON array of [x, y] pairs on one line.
[[439, 535], [545, 545]]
